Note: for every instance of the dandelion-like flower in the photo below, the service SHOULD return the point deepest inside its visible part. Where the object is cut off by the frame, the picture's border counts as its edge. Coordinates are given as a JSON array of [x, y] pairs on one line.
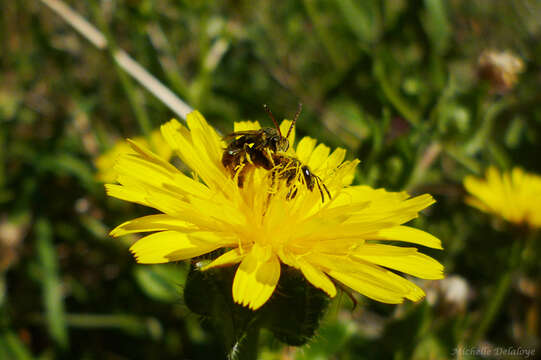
[[515, 196], [106, 161], [261, 226]]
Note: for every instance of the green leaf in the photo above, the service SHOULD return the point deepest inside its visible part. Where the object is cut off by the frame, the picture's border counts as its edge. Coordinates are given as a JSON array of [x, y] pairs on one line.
[[127, 323], [69, 164], [11, 347], [437, 24], [294, 311], [430, 348], [51, 284], [161, 282], [330, 339], [208, 293], [515, 132], [362, 18], [392, 94]]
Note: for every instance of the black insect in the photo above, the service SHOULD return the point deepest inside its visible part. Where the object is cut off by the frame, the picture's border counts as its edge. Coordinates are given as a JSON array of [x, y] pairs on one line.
[[289, 168], [265, 148], [255, 148]]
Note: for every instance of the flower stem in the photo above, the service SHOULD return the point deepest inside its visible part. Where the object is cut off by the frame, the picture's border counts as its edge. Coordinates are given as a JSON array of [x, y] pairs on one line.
[[248, 347], [502, 289], [394, 97], [479, 140]]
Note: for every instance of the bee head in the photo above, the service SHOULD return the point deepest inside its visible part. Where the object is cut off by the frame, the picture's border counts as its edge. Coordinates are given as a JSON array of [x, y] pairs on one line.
[[282, 144], [277, 141]]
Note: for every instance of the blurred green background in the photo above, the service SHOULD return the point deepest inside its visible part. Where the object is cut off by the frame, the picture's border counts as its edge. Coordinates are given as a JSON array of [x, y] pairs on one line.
[[397, 83]]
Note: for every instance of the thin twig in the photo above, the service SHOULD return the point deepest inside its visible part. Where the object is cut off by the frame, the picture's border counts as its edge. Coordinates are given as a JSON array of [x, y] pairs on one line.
[[129, 65]]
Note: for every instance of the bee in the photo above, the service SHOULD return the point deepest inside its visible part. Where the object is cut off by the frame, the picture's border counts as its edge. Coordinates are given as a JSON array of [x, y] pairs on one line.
[[288, 168], [265, 148], [255, 148]]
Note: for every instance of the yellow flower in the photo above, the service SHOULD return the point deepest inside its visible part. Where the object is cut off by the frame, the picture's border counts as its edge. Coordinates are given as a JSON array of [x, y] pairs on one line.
[[260, 225], [106, 161], [514, 196]]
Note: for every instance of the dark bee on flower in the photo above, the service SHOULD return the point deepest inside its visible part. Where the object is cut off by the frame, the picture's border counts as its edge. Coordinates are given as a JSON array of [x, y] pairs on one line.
[[265, 148], [255, 148], [289, 168]]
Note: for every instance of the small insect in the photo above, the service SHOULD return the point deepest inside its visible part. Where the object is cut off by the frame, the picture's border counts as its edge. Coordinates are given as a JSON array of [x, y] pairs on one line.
[[266, 148], [255, 148], [288, 168]]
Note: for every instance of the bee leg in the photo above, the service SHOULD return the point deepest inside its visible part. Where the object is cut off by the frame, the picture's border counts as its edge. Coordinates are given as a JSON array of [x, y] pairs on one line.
[[260, 158], [273, 177], [240, 178], [320, 191], [241, 173], [290, 175], [326, 190], [319, 185], [291, 193]]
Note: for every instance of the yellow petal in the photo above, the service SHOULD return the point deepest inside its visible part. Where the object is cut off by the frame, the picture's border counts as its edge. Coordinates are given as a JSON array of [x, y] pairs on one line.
[[169, 246], [179, 139], [106, 161], [193, 153], [477, 203], [305, 148], [385, 198], [255, 281], [340, 177], [229, 258], [159, 146], [150, 156], [139, 169], [406, 260], [123, 193], [218, 211], [317, 278], [133, 191], [246, 125], [204, 137], [379, 284], [319, 157], [510, 195], [152, 223], [167, 202], [388, 206], [335, 159], [408, 234]]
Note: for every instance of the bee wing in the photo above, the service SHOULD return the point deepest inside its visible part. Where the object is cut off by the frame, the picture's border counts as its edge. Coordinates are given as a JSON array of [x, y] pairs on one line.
[[241, 133]]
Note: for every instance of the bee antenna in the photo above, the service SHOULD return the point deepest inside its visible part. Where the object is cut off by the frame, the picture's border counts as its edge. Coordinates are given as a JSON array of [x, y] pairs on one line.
[[272, 118], [297, 114]]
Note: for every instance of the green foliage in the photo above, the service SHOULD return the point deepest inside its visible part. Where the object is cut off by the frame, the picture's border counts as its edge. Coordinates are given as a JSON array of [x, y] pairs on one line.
[[161, 282], [49, 279], [300, 307], [393, 82]]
